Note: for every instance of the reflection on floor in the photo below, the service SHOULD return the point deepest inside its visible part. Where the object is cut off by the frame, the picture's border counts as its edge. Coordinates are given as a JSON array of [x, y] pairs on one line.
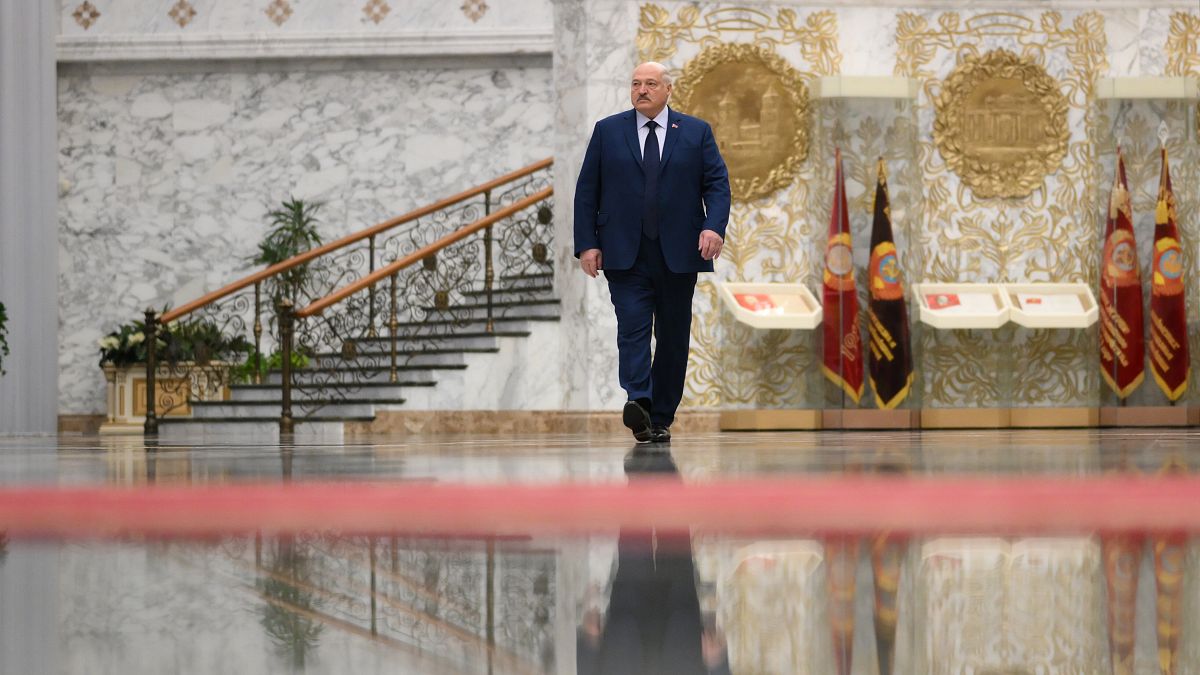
[[648, 601]]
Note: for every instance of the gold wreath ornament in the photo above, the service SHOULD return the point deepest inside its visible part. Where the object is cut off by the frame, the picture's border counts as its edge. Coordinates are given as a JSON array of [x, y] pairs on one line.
[[1001, 124], [758, 106]]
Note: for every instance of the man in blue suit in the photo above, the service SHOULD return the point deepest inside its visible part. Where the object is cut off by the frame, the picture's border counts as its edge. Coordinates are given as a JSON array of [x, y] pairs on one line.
[[651, 206]]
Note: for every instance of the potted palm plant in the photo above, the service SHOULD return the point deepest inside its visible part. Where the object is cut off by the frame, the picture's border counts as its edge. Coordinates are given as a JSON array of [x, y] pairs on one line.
[[293, 231]]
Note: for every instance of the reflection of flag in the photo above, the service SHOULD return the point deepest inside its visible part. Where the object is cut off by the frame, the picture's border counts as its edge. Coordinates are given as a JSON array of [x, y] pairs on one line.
[[1122, 556], [1122, 346], [1168, 312], [887, 552], [841, 558], [1170, 561], [890, 357], [843, 344]]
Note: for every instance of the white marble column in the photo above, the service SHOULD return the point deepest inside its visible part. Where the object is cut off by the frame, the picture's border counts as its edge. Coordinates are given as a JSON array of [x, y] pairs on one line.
[[28, 224], [589, 82]]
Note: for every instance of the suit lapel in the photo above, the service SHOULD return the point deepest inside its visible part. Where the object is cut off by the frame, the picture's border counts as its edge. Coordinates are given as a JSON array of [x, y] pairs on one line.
[[673, 120], [631, 138]]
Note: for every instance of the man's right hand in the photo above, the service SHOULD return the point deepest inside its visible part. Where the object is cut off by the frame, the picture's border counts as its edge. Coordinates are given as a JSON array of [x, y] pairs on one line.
[[591, 262]]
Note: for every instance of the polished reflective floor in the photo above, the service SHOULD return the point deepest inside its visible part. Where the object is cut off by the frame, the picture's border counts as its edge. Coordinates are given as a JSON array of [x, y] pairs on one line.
[[633, 600]]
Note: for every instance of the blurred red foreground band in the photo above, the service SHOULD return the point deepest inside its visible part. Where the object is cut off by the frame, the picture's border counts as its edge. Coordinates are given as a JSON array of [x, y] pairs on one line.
[[776, 506]]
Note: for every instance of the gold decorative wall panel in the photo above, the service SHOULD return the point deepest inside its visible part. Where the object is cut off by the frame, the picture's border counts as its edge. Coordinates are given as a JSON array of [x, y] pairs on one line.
[[1049, 235], [946, 229], [759, 109], [1001, 124]]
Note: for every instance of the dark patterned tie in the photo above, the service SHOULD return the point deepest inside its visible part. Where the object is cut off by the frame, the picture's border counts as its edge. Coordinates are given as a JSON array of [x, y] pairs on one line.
[[650, 163]]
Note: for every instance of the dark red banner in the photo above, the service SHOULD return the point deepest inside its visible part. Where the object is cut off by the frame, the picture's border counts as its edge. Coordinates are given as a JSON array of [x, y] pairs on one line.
[[842, 362], [1122, 342], [1169, 360]]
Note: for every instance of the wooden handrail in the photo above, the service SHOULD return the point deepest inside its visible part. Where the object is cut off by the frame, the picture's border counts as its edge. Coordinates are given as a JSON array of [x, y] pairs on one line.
[[350, 239], [384, 272]]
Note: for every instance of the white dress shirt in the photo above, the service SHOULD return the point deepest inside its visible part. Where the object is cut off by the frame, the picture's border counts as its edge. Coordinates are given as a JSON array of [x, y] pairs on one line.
[[661, 131]]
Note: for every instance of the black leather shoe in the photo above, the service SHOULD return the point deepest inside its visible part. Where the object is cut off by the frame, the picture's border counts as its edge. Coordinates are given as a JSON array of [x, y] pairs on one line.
[[660, 434], [637, 419]]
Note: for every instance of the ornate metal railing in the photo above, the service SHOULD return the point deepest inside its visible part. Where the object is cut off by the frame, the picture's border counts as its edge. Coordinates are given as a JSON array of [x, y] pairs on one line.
[[435, 286], [258, 306]]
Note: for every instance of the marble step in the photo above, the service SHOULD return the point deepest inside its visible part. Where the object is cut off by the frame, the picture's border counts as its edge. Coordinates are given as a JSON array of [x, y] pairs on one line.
[[381, 360], [471, 338], [540, 291], [532, 290], [251, 430], [473, 310], [515, 324], [348, 391], [323, 408], [522, 281], [421, 373], [381, 346]]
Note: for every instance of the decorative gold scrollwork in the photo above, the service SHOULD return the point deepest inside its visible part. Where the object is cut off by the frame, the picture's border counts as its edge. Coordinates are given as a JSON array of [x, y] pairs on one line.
[[1001, 124], [759, 109]]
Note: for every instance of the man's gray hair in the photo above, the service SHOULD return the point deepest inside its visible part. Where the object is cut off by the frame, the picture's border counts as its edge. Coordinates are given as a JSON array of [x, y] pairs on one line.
[[664, 72]]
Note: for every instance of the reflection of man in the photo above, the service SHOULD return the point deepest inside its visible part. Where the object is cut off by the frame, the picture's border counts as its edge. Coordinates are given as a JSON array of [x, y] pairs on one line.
[[654, 624], [651, 206]]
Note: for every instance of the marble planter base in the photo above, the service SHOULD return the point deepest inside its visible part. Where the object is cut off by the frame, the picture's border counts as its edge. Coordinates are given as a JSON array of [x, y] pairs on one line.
[[176, 387]]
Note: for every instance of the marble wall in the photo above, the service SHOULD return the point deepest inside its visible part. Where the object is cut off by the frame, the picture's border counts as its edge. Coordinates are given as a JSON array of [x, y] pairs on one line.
[[166, 173]]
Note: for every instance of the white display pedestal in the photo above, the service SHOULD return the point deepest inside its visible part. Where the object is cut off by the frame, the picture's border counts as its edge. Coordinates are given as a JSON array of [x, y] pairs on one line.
[[768, 306], [960, 306], [1052, 306]]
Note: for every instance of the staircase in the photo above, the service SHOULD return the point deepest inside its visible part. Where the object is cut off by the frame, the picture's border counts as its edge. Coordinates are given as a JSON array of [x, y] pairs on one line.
[[384, 317], [334, 389]]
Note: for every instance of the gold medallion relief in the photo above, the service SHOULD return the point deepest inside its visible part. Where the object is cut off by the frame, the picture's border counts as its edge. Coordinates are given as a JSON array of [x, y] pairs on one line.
[[1001, 124], [759, 109]]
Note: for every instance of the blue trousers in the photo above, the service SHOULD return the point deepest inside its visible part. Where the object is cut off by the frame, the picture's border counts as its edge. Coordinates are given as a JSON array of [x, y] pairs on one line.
[[648, 298]]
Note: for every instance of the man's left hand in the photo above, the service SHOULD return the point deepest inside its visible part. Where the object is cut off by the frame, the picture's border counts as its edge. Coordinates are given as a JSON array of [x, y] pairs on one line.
[[710, 245]]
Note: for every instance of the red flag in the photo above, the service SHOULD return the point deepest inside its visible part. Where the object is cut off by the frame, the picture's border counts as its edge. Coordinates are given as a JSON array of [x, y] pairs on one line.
[[1169, 359], [1122, 345], [843, 343]]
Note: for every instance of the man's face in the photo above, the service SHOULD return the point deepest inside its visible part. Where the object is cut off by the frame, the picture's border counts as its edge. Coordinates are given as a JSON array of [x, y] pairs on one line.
[[648, 91]]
